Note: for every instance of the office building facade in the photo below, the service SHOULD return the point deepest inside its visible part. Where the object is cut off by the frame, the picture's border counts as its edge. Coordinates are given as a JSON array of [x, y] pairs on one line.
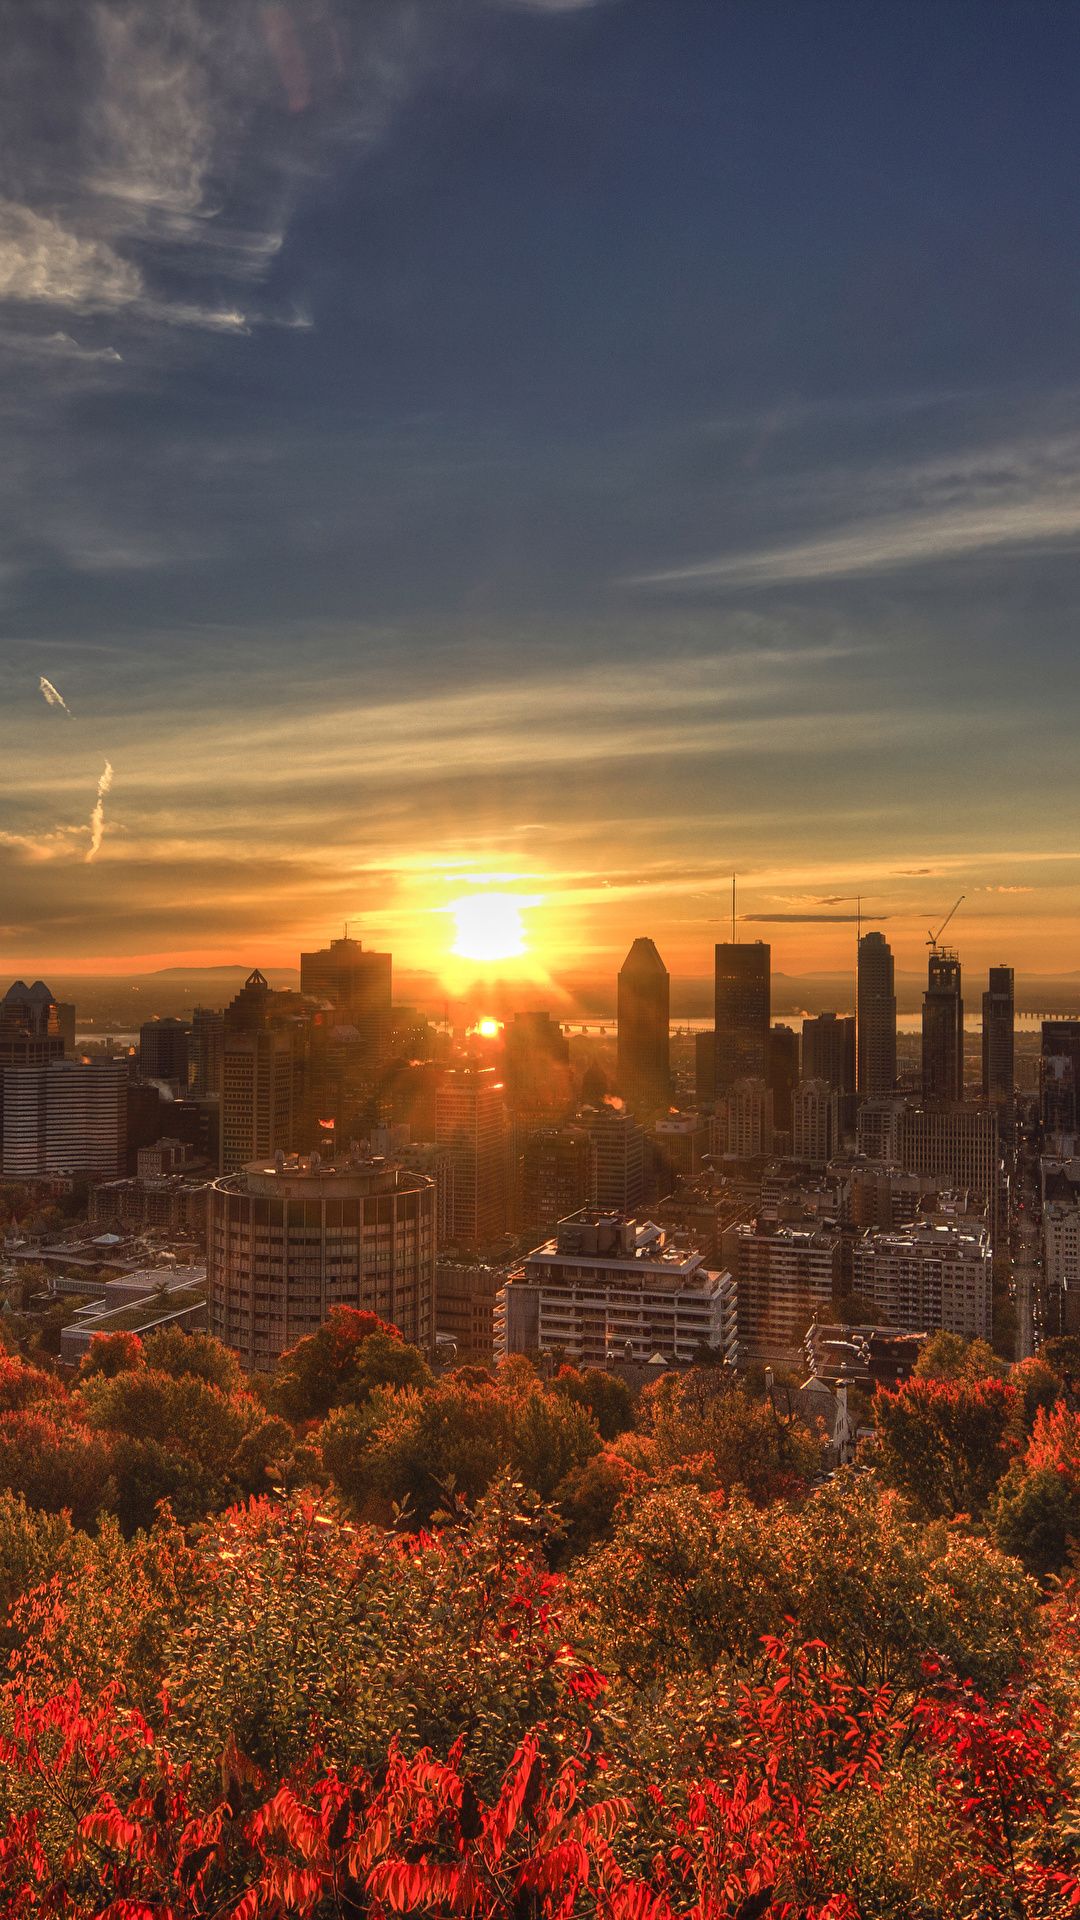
[[644, 1020], [943, 1029], [876, 1017], [743, 1007]]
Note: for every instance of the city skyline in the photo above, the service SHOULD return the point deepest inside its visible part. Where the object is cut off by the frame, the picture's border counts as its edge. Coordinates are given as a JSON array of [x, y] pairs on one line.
[[561, 452]]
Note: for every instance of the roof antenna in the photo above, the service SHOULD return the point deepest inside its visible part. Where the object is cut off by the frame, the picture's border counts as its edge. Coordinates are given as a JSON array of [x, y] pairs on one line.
[[733, 909]]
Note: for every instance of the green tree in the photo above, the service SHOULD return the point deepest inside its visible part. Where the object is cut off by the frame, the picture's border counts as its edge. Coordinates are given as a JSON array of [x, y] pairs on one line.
[[948, 1356], [602, 1394]]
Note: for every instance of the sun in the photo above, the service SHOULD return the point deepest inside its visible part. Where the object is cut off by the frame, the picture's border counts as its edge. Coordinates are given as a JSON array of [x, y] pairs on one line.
[[489, 927]]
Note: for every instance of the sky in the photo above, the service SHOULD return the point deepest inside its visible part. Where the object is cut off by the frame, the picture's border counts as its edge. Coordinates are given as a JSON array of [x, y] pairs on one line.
[[561, 449]]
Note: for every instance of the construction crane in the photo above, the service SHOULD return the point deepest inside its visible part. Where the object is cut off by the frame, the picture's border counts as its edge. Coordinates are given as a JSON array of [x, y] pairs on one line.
[[934, 939]]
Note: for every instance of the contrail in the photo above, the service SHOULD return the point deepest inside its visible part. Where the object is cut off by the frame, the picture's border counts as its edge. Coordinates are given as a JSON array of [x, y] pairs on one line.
[[52, 697], [97, 818]]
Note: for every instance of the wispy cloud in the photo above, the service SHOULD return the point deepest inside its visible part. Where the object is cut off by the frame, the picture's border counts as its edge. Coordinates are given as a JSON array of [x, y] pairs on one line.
[[52, 696], [883, 546], [97, 818]]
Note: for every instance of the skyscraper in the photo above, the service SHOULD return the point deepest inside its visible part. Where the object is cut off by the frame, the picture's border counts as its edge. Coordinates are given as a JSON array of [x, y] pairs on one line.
[[262, 1075], [66, 1117], [1059, 1076], [876, 1017], [943, 1029], [163, 1052], [358, 986], [470, 1120], [783, 1074], [742, 1012], [828, 1051], [644, 1065], [998, 1044]]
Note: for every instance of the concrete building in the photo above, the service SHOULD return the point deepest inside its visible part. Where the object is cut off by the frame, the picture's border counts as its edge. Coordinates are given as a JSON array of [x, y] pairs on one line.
[[943, 1029], [680, 1142], [67, 1117], [470, 1122], [536, 1065], [291, 1240], [930, 1278], [264, 1043], [1061, 1258], [783, 1074], [606, 1286], [999, 1039], [1059, 1077], [705, 1067], [358, 985], [163, 1052], [956, 1142], [744, 1120], [784, 1279], [876, 1017], [828, 1051], [616, 1158], [743, 1003], [644, 1017], [465, 1295], [205, 1051], [556, 1177], [815, 1135]]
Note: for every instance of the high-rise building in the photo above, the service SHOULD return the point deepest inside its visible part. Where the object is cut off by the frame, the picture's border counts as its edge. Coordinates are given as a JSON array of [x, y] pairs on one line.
[[956, 1142], [929, 1278], [998, 1039], [783, 1075], [616, 1158], [358, 986], [264, 1042], [828, 1050], [291, 1240], [744, 1120], [705, 1067], [470, 1119], [816, 1123], [876, 1017], [163, 1052], [556, 1177], [1059, 1076], [31, 1032], [785, 1277], [644, 1060], [207, 1034], [742, 1011], [536, 1058], [943, 1029], [607, 1286], [66, 1117]]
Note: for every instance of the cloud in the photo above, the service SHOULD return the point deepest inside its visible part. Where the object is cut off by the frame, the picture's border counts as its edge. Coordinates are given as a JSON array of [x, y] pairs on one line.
[[41, 260], [57, 346], [883, 546], [807, 919], [52, 697], [1004, 889], [97, 818]]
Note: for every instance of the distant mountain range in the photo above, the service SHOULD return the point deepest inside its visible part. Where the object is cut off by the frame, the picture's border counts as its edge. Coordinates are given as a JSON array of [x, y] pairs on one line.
[[121, 1003]]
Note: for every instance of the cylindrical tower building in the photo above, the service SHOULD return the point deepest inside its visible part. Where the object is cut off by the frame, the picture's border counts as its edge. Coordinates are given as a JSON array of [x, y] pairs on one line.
[[289, 1241]]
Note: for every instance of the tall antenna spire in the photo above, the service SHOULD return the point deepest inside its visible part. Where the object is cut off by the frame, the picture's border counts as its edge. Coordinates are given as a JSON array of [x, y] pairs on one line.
[[733, 909]]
